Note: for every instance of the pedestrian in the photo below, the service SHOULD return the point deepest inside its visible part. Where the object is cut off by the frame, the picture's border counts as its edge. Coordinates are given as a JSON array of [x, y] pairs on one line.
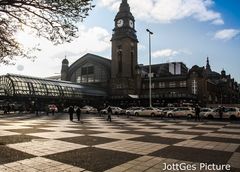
[[109, 118], [197, 113], [71, 111], [46, 110], [53, 111], [78, 113], [99, 110], [220, 111]]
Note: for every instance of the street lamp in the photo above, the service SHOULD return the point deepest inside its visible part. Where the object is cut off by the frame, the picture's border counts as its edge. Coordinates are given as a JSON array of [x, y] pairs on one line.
[[150, 70]]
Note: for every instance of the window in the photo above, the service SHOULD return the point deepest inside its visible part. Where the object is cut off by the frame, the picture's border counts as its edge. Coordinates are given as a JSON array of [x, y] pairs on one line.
[[84, 71], [172, 84], [90, 73], [162, 85], [90, 70], [132, 56], [87, 74], [79, 79], [194, 86], [183, 84], [119, 61]]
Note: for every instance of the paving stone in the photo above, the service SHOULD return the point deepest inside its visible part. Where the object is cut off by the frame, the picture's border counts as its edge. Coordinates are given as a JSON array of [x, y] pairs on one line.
[[193, 154], [93, 159], [158, 139], [8, 155], [88, 140], [126, 144]]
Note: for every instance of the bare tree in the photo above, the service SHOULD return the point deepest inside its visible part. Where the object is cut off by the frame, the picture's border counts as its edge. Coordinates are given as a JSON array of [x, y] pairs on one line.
[[54, 20]]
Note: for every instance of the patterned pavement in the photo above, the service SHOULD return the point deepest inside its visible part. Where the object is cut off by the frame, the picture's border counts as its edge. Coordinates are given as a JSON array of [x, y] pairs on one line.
[[54, 144]]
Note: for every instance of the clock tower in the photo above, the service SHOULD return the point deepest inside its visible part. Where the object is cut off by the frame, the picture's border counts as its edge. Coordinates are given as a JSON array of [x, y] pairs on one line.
[[124, 53]]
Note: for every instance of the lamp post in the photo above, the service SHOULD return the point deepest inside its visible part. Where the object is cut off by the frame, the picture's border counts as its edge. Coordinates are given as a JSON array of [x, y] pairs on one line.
[[150, 70]]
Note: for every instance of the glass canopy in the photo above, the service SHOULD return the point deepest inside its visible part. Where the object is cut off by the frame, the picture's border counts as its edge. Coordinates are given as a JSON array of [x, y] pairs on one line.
[[18, 85]]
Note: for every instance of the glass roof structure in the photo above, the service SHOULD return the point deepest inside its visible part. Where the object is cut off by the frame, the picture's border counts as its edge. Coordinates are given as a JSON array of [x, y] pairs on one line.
[[18, 85]]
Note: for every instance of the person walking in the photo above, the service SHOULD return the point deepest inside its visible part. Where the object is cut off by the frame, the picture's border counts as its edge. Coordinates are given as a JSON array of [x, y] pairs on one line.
[[71, 111], [109, 118], [197, 113], [99, 110], [53, 111], [220, 111], [78, 113], [46, 110]]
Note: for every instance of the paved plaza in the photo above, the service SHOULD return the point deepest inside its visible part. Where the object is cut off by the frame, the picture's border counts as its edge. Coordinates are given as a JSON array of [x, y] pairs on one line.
[[53, 144]]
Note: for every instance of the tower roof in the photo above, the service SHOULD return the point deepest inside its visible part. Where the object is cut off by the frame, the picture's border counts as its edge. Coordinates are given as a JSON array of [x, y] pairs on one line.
[[124, 11], [208, 67], [124, 7], [65, 61]]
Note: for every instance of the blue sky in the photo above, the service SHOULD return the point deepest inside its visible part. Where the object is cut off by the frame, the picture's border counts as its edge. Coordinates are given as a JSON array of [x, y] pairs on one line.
[[184, 30]]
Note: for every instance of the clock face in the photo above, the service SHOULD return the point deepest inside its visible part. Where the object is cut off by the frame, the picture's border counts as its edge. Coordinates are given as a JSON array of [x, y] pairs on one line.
[[120, 23], [131, 23]]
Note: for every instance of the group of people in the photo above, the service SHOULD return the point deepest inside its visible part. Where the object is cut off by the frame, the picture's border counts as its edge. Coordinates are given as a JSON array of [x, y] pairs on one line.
[[78, 113], [71, 112]]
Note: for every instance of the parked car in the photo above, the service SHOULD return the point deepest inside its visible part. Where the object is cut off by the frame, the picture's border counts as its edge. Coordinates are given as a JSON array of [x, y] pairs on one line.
[[52, 108], [115, 110], [203, 111], [228, 113], [165, 110], [133, 110], [232, 112], [66, 110], [181, 112], [149, 111], [88, 109], [104, 111]]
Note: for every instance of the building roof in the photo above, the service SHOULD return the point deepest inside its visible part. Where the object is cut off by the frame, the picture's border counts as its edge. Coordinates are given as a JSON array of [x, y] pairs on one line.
[[38, 87], [163, 68], [90, 57]]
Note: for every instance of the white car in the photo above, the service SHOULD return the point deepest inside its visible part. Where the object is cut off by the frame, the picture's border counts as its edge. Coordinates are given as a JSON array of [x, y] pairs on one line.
[[232, 112], [133, 110], [149, 111], [181, 112], [88, 109], [165, 110], [115, 110], [203, 111], [228, 113]]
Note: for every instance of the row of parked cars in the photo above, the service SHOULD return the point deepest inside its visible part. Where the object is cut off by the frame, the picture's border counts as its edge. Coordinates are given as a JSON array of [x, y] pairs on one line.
[[189, 112], [227, 113]]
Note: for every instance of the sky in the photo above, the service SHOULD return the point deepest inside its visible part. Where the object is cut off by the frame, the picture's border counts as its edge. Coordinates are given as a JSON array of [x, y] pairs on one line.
[[185, 31]]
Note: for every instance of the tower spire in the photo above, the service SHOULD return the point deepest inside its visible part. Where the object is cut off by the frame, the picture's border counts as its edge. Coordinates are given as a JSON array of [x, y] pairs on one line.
[[208, 67], [124, 6]]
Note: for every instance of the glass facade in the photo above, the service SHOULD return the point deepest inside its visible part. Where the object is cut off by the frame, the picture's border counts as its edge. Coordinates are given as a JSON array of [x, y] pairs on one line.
[[90, 73], [17, 85]]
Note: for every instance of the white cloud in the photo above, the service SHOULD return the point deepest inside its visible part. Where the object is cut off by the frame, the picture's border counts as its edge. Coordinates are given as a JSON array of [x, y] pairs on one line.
[[92, 40], [226, 34], [164, 53], [218, 22], [166, 11]]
